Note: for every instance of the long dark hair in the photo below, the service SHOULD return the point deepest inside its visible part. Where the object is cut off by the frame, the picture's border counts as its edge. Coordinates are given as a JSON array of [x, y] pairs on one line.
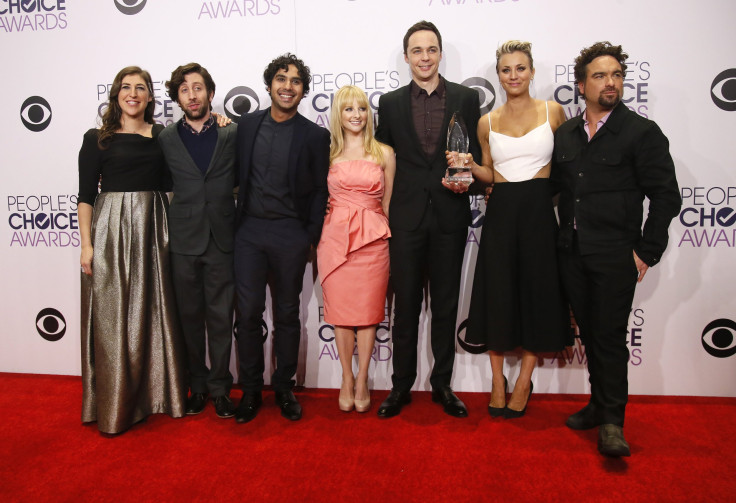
[[113, 113]]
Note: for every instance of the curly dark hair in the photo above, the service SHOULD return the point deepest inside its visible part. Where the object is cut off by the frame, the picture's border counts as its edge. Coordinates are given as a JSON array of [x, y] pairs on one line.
[[422, 25], [113, 112], [597, 50], [178, 75], [282, 63]]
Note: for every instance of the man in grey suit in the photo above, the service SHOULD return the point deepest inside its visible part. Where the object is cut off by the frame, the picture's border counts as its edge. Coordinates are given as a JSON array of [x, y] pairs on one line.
[[201, 159]]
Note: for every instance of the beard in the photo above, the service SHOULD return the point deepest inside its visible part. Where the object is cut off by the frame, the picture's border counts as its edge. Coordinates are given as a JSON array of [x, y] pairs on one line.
[[609, 102], [194, 116]]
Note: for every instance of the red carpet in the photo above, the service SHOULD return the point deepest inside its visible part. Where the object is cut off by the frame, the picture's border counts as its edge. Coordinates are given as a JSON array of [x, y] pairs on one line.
[[682, 450]]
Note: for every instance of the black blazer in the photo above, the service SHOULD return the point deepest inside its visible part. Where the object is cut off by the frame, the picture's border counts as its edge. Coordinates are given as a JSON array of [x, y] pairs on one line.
[[603, 183], [418, 178], [309, 162], [201, 204]]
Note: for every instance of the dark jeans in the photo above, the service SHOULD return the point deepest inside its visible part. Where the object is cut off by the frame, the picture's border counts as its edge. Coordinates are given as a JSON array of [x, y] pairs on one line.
[[601, 288]]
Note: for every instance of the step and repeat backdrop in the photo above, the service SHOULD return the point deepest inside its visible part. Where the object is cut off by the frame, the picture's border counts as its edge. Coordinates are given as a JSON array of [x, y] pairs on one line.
[[59, 57]]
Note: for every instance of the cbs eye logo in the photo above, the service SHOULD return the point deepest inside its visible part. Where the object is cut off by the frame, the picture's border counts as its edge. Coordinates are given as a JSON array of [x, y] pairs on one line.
[[723, 90], [473, 349], [130, 7], [264, 328], [35, 113], [485, 91], [50, 324], [477, 218], [719, 338], [240, 101]]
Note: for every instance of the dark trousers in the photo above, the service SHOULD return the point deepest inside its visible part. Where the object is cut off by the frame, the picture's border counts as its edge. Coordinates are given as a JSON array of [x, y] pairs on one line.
[[204, 297], [275, 251], [600, 288], [426, 251]]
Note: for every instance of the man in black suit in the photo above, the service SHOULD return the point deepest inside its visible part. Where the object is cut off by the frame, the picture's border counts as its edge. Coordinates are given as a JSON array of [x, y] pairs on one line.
[[606, 162], [201, 160], [429, 222], [284, 159]]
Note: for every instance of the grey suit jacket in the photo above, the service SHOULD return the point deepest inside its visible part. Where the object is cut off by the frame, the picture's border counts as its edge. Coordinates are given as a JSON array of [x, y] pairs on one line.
[[201, 204]]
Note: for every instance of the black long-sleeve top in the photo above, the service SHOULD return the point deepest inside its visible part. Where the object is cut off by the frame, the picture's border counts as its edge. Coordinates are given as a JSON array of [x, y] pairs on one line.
[[130, 163]]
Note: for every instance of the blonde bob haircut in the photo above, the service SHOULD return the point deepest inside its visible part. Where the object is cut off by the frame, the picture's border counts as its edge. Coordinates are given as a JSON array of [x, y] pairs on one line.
[[344, 98], [512, 46]]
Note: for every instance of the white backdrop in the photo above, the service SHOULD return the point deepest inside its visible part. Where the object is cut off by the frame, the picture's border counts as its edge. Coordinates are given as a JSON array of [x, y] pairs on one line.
[[59, 57]]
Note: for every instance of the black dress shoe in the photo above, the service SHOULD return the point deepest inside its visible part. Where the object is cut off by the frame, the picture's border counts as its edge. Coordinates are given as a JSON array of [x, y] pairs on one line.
[[196, 403], [611, 441], [224, 407], [584, 419], [289, 405], [498, 411], [514, 414], [450, 403], [393, 403], [248, 407]]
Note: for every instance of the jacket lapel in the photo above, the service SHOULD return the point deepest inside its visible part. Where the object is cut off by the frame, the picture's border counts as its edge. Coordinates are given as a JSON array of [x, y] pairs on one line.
[[219, 146], [188, 162]]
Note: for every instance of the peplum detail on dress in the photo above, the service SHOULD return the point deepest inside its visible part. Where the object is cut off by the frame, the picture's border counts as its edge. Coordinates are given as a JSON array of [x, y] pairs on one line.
[[356, 218], [352, 256]]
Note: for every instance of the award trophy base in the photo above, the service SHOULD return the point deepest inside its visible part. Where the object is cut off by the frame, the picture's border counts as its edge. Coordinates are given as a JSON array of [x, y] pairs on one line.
[[459, 175]]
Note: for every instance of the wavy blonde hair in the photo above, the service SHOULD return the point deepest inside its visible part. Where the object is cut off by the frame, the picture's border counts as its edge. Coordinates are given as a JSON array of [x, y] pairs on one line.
[[343, 98]]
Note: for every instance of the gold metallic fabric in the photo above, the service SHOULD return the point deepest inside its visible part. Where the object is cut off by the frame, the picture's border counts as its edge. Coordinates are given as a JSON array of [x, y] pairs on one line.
[[133, 353]]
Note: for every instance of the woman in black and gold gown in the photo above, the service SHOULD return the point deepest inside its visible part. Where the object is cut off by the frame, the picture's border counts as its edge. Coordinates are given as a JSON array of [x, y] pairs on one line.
[[132, 352]]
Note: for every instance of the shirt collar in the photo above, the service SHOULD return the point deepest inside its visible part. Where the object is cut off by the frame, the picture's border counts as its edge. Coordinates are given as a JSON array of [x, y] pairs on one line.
[[415, 90], [207, 124], [601, 121]]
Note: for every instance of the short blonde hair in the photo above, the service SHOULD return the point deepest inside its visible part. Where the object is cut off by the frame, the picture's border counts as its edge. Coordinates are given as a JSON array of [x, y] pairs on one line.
[[512, 46]]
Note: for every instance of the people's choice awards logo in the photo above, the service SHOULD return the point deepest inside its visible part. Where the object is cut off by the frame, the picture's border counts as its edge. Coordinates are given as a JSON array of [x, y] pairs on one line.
[[708, 216], [35, 112], [486, 92], [239, 101], [719, 338], [32, 15], [50, 324], [130, 7], [723, 90]]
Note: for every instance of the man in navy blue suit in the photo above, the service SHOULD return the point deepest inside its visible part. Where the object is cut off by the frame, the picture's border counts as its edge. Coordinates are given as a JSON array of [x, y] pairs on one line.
[[283, 164]]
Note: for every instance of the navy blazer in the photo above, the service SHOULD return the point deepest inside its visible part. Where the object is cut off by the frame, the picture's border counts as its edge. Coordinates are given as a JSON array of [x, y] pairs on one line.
[[309, 162], [603, 183], [418, 178]]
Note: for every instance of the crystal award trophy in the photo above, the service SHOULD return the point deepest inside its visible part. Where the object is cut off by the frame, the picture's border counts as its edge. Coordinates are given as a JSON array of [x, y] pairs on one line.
[[457, 145]]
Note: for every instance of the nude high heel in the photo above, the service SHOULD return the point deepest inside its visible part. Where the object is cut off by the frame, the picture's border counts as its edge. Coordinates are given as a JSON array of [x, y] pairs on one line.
[[363, 405], [346, 400]]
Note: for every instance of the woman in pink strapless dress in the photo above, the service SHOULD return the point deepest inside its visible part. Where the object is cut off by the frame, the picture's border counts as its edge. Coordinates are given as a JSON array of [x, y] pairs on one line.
[[352, 255]]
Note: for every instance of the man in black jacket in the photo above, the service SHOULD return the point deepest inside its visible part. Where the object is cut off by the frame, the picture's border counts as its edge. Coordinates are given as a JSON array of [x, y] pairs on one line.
[[283, 162], [429, 221], [606, 162]]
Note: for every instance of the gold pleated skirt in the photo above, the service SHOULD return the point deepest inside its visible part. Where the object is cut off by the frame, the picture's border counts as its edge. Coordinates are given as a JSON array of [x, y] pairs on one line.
[[133, 353]]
